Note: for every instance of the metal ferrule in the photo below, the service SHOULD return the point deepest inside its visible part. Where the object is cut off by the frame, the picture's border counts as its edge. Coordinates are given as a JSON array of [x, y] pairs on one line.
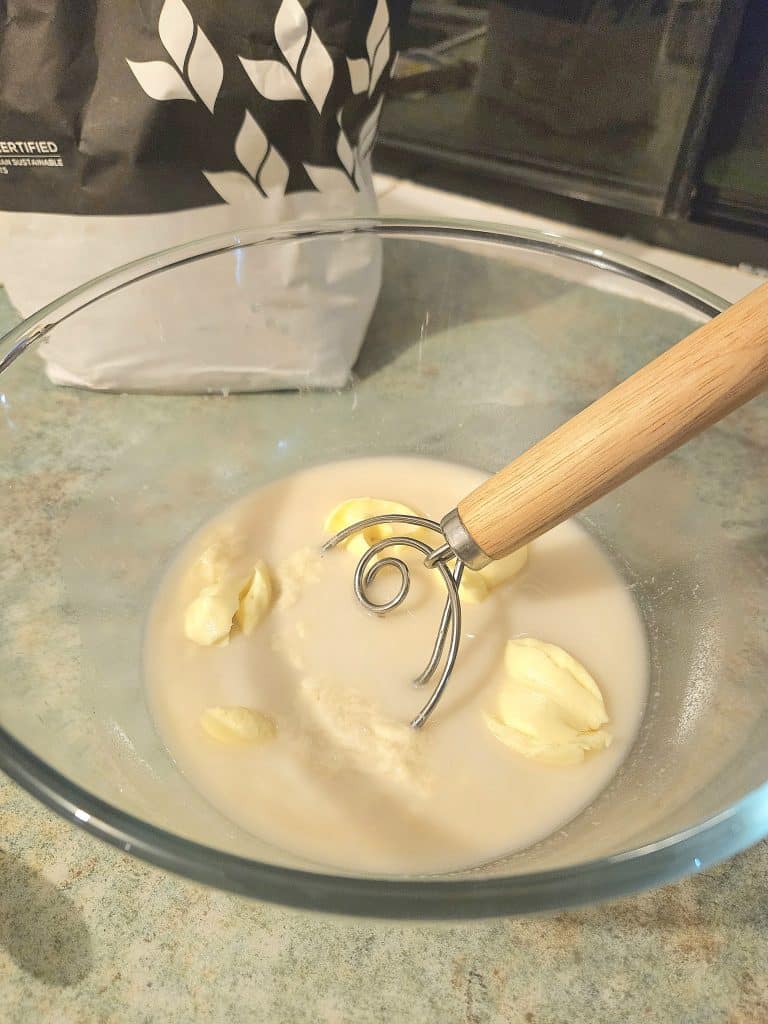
[[461, 541]]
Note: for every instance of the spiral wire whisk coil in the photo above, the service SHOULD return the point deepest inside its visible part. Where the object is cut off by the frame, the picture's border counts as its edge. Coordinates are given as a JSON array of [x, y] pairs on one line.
[[374, 561]]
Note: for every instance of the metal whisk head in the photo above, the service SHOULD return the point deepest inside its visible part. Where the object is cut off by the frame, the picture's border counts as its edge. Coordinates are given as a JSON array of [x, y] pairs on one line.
[[369, 567]]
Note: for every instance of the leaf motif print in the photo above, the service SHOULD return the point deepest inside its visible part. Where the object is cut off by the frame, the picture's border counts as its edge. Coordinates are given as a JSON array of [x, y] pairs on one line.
[[379, 25], [273, 176], [262, 162], [205, 70], [176, 29], [367, 135], [359, 74], [291, 31], [316, 71], [233, 187], [272, 79], [344, 151], [251, 145], [379, 61], [329, 179], [302, 71], [159, 80]]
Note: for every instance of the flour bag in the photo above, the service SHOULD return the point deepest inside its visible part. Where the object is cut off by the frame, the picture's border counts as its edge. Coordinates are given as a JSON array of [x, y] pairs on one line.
[[128, 127]]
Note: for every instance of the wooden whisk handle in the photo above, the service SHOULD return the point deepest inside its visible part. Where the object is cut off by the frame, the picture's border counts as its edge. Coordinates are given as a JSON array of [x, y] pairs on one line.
[[686, 389]]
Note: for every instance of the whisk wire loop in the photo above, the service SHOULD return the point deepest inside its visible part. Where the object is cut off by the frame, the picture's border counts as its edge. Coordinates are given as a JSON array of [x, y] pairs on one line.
[[374, 561]]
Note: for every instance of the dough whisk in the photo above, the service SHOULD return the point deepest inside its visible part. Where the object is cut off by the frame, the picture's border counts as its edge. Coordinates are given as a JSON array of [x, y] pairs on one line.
[[691, 386]]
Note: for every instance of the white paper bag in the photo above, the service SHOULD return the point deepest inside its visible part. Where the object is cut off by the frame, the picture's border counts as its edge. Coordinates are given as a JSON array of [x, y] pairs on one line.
[[184, 122]]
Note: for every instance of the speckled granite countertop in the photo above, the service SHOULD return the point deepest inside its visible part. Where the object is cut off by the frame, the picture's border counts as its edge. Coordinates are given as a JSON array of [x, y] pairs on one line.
[[90, 934]]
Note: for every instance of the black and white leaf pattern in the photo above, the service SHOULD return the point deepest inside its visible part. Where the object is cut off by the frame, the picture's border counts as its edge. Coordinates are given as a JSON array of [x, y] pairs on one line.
[[344, 150], [365, 72], [262, 162], [176, 29], [379, 61], [274, 174], [234, 187], [329, 179], [238, 189], [305, 55], [251, 145], [379, 25], [160, 81], [359, 74], [316, 70], [291, 31], [377, 43], [303, 72], [205, 70], [367, 134], [272, 79]]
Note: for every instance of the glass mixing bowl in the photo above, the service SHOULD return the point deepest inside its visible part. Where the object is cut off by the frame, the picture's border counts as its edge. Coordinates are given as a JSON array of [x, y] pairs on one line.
[[482, 340]]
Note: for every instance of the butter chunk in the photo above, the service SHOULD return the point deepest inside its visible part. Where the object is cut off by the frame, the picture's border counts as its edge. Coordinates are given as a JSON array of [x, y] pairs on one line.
[[473, 587], [245, 600], [549, 708], [238, 725], [208, 619], [255, 600], [354, 510], [503, 569], [477, 584]]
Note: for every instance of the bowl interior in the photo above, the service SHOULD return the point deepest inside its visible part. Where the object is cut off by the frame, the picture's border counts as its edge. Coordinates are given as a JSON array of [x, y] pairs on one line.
[[477, 347]]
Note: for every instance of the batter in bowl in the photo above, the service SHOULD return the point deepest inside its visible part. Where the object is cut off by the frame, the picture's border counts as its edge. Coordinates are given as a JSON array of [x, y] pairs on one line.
[[286, 705]]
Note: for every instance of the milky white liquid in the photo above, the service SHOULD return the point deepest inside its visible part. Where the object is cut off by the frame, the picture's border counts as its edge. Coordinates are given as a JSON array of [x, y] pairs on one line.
[[472, 799]]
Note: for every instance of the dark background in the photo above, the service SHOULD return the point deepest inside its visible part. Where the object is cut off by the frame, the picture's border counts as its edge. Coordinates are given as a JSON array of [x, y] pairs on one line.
[[647, 117]]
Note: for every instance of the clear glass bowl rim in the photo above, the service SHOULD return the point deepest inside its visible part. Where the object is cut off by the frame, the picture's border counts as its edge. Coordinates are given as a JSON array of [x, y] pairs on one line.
[[666, 860]]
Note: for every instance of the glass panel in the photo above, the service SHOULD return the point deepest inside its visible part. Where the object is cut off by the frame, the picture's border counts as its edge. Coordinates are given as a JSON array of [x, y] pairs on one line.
[[734, 171], [588, 97]]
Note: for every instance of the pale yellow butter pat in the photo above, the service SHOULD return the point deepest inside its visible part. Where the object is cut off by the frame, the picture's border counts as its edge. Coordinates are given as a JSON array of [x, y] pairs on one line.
[[549, 708], [208, 619], [255, 600], [477, 584], [246, 600], [354, 510], [238, 725]]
